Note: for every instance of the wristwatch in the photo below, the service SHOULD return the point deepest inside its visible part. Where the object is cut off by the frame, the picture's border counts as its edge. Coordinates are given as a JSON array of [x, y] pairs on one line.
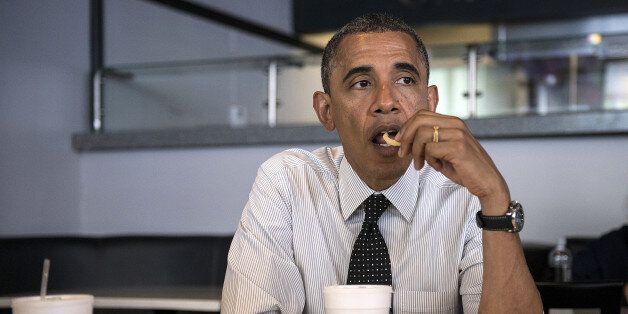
[[512, 221]]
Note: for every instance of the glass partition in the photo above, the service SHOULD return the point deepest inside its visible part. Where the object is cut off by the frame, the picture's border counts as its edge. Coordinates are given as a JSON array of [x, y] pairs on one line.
[[587, 73], [531, 77], [224, 93]]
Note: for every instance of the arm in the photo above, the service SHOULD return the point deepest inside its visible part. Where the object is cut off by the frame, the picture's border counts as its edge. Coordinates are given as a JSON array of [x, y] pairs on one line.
[[460, 157], [261, 274], [506, 274]]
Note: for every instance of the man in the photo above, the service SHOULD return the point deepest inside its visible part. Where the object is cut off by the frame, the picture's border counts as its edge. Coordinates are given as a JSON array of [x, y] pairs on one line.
[[313, 219]]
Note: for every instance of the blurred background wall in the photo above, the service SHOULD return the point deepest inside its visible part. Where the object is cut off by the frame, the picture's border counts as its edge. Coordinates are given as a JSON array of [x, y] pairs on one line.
[[569, 186], [44, 66]]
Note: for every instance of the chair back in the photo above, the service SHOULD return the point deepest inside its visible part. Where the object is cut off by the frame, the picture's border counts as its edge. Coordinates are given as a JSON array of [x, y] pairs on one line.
[[606, 296]]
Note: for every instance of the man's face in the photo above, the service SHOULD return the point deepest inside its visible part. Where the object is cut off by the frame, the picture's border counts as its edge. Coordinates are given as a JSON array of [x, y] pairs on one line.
[[377, 82]]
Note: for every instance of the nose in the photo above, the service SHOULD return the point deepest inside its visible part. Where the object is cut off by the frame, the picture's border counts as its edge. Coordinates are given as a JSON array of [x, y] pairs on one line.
[[385, 100]]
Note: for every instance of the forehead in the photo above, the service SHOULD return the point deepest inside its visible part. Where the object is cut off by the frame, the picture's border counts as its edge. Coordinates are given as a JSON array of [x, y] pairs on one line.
[[372, 48]]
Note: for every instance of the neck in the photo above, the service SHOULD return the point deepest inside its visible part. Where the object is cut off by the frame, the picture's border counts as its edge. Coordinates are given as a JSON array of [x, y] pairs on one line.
[[380, 181], [378, 184]]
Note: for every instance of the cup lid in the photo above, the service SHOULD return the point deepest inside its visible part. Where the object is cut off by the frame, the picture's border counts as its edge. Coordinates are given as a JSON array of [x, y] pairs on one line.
[[358, 289], [357, 297], [57, 299]]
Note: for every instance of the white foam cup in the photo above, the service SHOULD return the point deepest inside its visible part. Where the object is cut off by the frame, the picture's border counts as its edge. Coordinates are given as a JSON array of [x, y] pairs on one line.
[[345, 299], [54, 304]]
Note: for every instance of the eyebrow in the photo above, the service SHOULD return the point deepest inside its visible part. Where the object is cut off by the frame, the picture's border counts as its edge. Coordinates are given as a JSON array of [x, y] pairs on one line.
[[367, 68], [408, 67], [358, 69]]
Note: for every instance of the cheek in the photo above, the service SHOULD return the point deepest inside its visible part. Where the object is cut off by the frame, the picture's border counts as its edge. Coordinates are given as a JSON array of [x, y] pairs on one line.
[[349, 122], [413, 100], [349, 111]]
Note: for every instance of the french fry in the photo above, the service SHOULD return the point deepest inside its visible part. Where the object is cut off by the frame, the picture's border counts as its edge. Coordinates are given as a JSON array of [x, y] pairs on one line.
[[390, 141]]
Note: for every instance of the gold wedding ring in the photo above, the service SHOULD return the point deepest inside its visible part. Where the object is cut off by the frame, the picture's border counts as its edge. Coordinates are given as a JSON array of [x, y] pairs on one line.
[[435, 136]]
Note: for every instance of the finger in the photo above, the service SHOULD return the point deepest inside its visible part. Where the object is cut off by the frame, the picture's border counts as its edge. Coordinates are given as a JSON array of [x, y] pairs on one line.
[[442, 121], [423, 119], [445, 137], [451, 135], [465, 144], [436, 163], [415, 143], [437, 154], [427, 134], [418, 152], [420, 115], [419, 125]]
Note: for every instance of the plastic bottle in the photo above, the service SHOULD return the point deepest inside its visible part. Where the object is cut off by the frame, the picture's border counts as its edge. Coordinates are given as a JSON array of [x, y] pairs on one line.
[[560, 260]]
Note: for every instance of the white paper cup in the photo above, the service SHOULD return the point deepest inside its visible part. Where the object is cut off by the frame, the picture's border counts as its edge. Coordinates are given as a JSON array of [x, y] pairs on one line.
[[54, 304], [345, 299]]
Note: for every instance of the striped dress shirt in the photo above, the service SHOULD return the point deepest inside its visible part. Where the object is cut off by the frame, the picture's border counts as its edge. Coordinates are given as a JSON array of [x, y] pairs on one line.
[[304, 213]]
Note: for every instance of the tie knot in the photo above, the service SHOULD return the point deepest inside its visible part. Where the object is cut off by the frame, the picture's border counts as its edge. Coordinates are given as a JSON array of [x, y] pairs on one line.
[[374, 206]]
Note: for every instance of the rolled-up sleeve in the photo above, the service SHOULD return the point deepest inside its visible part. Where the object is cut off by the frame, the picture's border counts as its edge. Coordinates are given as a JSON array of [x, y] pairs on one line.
[[261, 274], [471, 265]]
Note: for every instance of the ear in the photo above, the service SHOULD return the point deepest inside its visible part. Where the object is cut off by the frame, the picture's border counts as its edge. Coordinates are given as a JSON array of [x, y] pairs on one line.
[[322, 106], [432, 97]]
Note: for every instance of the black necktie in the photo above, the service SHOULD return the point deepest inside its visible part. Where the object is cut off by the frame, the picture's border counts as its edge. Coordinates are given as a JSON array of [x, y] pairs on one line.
[[370, 262]]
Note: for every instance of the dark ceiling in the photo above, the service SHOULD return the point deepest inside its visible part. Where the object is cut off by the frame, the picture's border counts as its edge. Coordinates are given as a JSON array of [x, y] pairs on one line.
[[312, 16]]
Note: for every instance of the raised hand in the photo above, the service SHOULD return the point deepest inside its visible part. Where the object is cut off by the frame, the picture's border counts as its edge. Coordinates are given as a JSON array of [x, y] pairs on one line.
[[446, 144]]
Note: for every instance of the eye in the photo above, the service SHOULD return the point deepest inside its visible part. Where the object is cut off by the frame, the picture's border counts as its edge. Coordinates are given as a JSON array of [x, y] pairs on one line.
[[406, 80], [362, 84]]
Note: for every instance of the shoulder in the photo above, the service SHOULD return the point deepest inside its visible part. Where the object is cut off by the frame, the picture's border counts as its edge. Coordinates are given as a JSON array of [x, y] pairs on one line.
[[288, 175], [324, 160]]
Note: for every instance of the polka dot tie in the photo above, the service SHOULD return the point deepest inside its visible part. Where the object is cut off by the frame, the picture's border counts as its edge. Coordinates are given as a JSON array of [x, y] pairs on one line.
[[370, 262]]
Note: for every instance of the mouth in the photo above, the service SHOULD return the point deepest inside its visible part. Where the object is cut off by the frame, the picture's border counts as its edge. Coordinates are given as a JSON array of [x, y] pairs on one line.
[[378, 137]]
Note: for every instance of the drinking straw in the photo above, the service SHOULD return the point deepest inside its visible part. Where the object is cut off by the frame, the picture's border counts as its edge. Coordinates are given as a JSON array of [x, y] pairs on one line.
[[44, 279]]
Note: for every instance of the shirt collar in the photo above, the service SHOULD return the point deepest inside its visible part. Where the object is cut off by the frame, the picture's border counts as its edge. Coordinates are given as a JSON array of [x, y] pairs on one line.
[[353, 191]]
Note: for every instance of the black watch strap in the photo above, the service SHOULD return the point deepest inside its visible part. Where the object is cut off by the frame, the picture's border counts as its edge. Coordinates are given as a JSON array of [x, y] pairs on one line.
[[512, 221], [493, 223]]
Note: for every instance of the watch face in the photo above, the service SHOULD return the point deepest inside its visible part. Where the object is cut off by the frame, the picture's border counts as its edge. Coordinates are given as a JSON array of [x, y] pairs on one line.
[[517, 218]]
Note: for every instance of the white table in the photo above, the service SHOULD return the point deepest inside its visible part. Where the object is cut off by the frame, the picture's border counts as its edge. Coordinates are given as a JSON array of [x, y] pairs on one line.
[[206, 299]]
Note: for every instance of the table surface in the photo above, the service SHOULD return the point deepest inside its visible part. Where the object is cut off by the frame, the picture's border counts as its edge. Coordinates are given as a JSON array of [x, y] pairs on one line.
[[183, 298]]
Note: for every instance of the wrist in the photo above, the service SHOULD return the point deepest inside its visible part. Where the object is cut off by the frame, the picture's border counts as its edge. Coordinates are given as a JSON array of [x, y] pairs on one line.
[[496, 205], [511, 221]]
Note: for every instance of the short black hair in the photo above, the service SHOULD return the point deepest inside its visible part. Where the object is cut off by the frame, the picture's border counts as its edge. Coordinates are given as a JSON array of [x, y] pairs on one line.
[[369, 23]]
